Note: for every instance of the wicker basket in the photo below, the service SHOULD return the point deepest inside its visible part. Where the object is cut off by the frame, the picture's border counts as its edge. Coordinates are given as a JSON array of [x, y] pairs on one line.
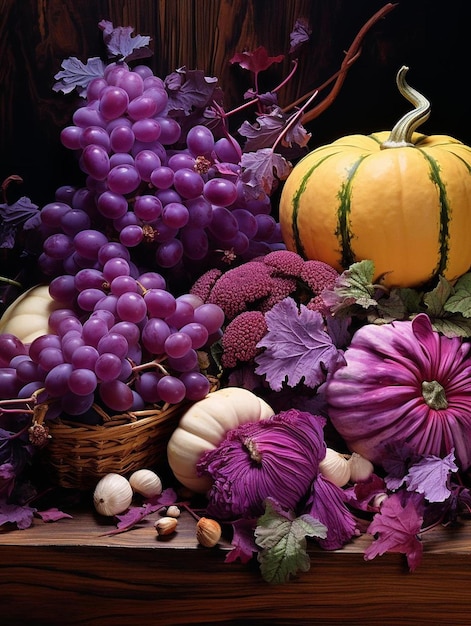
[[77, 455]]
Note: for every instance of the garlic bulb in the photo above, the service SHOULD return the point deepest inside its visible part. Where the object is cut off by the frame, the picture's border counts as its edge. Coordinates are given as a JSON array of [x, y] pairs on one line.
[[146, 482], [335, 467], [166, 525], [112, 495], [360, 468]]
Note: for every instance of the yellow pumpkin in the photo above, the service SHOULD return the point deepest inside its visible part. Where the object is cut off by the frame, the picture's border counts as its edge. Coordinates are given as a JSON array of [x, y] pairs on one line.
[[27, 317], [400, 199], [204, 425]]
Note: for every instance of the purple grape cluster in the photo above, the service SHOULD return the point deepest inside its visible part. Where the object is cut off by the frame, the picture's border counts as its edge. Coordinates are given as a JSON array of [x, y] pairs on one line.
[[182, 202], [137, 346]]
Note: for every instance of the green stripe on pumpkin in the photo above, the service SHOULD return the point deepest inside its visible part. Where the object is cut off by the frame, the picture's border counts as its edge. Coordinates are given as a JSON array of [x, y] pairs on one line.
[[343, 232], [296, 201], [445, 211]]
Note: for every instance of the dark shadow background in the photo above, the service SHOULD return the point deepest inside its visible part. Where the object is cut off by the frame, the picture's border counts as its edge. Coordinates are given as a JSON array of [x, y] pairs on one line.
[[431, 37]]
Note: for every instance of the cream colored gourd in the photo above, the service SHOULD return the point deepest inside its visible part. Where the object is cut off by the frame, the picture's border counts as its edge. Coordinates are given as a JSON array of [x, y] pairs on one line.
[[204, 425], [28, 316]]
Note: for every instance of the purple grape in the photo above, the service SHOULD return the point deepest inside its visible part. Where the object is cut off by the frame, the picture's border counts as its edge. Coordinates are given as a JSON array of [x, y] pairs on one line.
[[223, 225], [188, 183], [171, 389], [111, 250], [154, 334], [113, 102], [88, 298], [9, 383], [62, 289], [116, 395], [129, 330], [88, 242], [95, 135], [89, 278], [58, 246], [175, 215], [228, 150], [160, 302], [195, 243], [56, 381], [74, 221], [220, 192], [146, 161], [122, 138], [186, 363], [152, 280], [147, 208], [131, 235], [71, 137], [162, 177], [200, 141], [196, 384], [170, 130], [131, 82], [177, 344], [169, 253], [142, 107], [85, 357], [116, 267], [210, 315], [114, 343], [93, 330], [200, 212], [112, 205], [146, 129], [82, 382], [146, 386], [198, 334], [88, 116], [131, 307], [122, 284], [95, 87], [181, 159], [123, 178], [108, 367], [183, 314]]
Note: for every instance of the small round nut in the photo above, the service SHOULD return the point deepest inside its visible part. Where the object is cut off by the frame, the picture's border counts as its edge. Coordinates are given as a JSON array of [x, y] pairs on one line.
[[208, 532]]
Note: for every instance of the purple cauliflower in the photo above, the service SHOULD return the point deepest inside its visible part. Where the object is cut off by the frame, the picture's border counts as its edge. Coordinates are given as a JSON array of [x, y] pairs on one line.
[[240, 338], [318, 276]]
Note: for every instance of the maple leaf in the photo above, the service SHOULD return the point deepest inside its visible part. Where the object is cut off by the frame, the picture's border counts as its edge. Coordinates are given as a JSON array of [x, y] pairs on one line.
[[267, 129], [262, 170], [396, 528], [296, 347], [120, 43], [256, 61], [189, 89], [77, 75], [430, 477]]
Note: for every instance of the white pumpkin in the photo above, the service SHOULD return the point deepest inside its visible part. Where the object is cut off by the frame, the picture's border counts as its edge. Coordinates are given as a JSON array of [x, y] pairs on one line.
[[27, 317], [204, 425]]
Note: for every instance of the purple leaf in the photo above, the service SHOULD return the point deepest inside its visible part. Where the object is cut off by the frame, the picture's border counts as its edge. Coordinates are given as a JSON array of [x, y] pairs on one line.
[[296, 347], [262, 170], [396, 528], [22, 516], [300, 34], [256, 61], [76, 75], [430, 477], [188, 89], [268, 127], [120, 43], [243, 541], [52, 515]]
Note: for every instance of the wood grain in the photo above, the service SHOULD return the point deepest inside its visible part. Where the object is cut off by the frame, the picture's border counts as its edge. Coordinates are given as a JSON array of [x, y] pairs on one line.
[[69, 573]]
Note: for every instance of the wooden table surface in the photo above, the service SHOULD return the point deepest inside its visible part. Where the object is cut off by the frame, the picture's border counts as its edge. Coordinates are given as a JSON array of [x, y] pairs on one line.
[[69, 573]]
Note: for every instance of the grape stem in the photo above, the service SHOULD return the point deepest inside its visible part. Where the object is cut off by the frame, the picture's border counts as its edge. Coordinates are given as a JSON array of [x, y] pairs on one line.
[[157, 363]]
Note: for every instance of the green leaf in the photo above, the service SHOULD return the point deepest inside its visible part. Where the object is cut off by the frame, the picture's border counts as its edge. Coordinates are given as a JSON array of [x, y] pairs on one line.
[[435, 300], [460, 300], [452, 326], [282, 539], [356, 284], [411, 298]]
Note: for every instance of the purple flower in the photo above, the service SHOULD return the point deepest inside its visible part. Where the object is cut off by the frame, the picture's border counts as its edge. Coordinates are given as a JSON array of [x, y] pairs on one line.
[[277, 457]]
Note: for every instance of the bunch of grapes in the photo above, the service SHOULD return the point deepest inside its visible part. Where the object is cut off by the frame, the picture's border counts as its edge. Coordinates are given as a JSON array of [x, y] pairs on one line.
[[181, 204]]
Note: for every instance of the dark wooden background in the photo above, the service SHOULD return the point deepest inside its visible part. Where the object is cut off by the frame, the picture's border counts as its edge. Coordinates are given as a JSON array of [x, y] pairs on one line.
[[430, 36]]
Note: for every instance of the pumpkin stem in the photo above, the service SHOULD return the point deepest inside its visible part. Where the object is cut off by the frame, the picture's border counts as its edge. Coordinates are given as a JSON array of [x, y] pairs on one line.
[[434, 395], [401, 134]]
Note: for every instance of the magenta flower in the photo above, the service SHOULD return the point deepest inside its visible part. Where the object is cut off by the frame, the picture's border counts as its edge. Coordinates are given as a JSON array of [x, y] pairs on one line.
[[407, 385], [277, 457]]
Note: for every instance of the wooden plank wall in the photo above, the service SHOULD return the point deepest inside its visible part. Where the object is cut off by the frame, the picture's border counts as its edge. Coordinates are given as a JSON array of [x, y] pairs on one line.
[[35, 35]]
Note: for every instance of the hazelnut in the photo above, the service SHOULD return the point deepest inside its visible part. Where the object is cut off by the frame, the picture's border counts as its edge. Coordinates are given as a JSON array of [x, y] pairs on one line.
[[208, 532], [166, 525]]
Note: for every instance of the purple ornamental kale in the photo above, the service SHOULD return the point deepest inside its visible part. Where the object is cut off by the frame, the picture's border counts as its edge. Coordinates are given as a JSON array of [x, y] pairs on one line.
[[277, 457]]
